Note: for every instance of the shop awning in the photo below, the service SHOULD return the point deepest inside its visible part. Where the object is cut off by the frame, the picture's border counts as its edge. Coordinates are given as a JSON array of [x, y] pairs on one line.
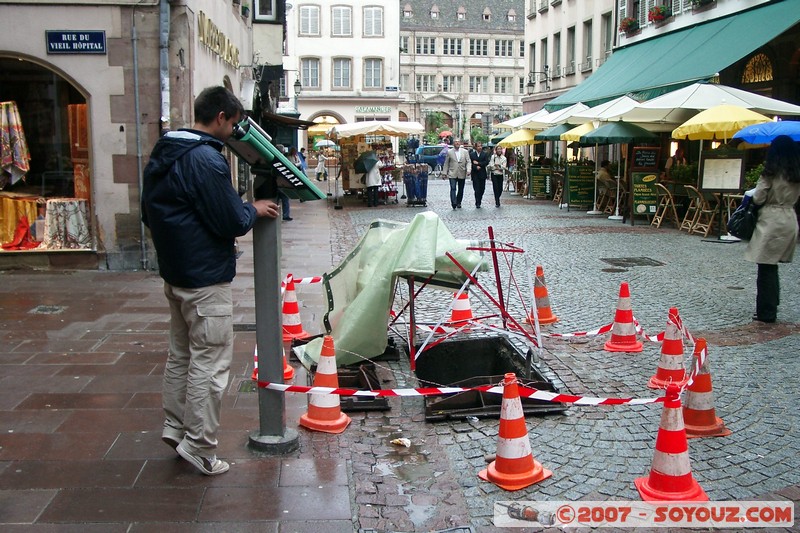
[[679, 58]]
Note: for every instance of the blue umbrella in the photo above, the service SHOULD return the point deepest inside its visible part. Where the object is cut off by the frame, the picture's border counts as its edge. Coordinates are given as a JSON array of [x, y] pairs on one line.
[[765, 133]]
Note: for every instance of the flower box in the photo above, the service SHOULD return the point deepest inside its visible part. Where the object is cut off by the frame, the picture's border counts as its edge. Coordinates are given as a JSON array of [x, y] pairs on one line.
[[659, 13], [628, 25]]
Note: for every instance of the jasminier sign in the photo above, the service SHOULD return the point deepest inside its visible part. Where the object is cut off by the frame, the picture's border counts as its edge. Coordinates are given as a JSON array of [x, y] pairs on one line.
[[216, 41]]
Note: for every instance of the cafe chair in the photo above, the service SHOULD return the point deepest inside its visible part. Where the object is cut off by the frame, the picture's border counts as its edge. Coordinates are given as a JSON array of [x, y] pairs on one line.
[[666, 208], [559, 192], [706, 213], [690, 217]]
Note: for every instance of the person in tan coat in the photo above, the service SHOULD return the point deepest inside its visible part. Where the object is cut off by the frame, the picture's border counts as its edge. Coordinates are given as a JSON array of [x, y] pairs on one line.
[[775, 237], [457, 166]]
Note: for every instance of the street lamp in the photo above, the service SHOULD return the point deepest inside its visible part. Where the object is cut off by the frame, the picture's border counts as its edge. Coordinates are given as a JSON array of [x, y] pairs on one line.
[[298, 88], [499, 111], [532, 79]]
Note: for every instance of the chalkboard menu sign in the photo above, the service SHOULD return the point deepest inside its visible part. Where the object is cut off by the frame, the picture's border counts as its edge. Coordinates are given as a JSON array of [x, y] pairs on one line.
[[646, 158], [645, 194], [539, 182], [581, 185]]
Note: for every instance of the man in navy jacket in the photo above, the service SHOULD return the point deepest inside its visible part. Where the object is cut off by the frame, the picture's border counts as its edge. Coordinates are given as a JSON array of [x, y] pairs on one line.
[[194, 215]]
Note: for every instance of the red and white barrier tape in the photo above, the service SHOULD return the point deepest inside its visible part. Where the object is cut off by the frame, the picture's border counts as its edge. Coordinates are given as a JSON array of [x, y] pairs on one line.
[[524, 392], [301, 281]]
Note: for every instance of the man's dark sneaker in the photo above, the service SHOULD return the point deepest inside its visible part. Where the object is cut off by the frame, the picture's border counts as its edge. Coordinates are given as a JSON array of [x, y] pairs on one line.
[[288, 219], [209, 467]]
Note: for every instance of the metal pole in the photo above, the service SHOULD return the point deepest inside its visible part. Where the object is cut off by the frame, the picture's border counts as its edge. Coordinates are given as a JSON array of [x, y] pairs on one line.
[[273, 436]]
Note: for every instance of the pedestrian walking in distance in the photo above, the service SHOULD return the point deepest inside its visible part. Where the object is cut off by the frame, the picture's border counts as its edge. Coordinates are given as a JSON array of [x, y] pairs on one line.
[[194, 215], [479, 160], [457, 167], [498, 166]]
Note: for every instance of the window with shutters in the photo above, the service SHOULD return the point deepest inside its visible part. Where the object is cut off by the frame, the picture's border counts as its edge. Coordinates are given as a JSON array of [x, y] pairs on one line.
[[341, 21], [341, 73], [373, 73], [309, 71], [309, 20], [373, 22]]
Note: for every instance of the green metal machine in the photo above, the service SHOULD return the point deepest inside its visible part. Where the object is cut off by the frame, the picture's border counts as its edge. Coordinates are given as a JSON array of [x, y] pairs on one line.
[[254, 145]]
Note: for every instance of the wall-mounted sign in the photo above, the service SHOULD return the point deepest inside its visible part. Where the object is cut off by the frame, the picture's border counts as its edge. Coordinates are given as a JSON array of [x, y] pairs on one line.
[[373, 109], [391, 88], [216, 41], [75, 42]]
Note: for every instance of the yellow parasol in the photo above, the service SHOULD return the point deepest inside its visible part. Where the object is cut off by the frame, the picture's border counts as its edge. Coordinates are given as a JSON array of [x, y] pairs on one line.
[[519, 138], [575, 134], [718, 122]]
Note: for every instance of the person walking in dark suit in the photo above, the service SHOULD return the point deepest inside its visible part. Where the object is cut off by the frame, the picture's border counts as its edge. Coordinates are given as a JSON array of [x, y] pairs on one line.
[[457, 167], [479, 160]]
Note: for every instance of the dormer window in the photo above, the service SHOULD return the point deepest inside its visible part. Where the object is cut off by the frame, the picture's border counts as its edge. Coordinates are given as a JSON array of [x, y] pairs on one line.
[[512, 15], [435, 12], [461, 14], [487, 14], [407, 11]]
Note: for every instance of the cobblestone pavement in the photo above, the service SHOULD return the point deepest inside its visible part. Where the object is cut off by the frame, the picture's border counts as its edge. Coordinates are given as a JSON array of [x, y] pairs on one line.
[[595, 452], [81, 354]]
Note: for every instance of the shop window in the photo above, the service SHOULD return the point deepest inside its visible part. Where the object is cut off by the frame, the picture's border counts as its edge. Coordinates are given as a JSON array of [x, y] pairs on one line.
[[50, 120]]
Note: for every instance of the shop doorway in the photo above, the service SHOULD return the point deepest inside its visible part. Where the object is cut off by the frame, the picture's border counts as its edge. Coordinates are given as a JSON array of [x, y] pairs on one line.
[[49, 158]]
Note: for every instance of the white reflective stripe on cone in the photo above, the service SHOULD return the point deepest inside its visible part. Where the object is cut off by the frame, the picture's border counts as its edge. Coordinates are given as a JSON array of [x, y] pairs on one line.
[[291, 320], [671, 464], [511, 409], [513, 448], [670, 362], [326, 365], [672, 419], [460, 305], [699, 401], [624, 304], [623, 328], [324, 400]]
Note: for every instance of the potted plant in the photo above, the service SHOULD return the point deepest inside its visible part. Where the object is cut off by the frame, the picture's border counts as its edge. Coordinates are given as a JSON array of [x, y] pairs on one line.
[[658, 13], [628, 25], [700, 3], [245, 9]]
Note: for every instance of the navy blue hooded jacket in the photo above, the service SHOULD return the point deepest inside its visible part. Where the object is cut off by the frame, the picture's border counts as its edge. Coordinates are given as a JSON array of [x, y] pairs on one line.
[[193, 212]]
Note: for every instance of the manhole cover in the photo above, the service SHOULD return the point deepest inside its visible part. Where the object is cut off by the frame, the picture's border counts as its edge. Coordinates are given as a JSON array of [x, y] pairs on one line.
[[631, 261], [613, 269], [47, 310]]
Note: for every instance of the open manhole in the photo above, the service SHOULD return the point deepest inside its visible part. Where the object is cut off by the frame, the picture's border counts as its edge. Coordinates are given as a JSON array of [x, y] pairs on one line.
[[626, 262], [476, 362]]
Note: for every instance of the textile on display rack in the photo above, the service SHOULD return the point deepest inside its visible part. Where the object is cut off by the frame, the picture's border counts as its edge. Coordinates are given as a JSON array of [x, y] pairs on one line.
[[12, 208], [66, 225], [14, 155]]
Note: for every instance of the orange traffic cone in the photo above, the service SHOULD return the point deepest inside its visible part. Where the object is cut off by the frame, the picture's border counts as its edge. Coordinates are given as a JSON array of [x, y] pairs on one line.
[[546, 316], [700, 418], [670, 366], [461, 312], [623, 331], [324, 411], [671, 476], [514, 467], [288, 371], [292, 327]]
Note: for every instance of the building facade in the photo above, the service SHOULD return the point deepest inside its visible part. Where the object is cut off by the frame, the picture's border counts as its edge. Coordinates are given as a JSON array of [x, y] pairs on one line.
[[464, 60], [88, 86], [344, 56], [566, 42]]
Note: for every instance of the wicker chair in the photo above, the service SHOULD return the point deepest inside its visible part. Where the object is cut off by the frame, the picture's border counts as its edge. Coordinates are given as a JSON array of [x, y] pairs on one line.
[[666, 208], [706, 213]]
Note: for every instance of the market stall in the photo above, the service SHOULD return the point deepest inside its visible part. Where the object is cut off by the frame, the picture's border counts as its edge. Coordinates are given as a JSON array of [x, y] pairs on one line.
[[357, 138]]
